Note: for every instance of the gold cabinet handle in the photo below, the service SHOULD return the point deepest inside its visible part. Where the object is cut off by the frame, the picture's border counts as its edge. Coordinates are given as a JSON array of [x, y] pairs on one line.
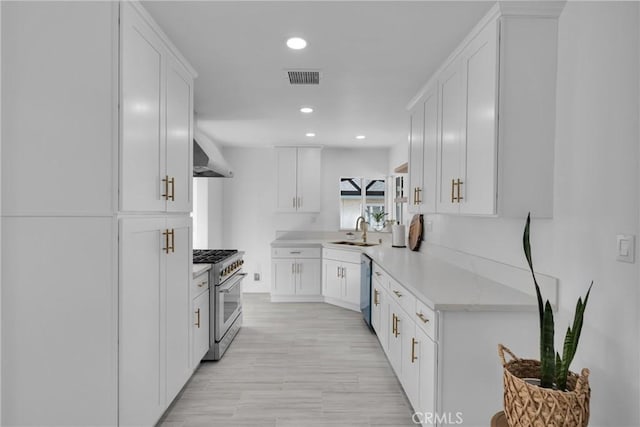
[[418, 192], [413, 350], [458, 184], [165, 180], [166, 248], [198, 318], [393, 323], [376, 297], [397, 331], [202, 284], [172, 182], [398, 294], [173, 241], [453, 185], [378, 273], [421, 317]]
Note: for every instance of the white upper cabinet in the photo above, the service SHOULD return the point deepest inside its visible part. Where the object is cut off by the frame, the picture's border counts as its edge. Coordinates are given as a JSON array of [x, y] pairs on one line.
[[298, 179], [156, 116], [416, 150], [495, 119], [179, 160], [450, 137], [423, 143]]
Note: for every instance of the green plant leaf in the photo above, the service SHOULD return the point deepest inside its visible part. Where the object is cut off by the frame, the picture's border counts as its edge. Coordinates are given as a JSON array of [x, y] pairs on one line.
[[559, 364], [547, 362], [527, 253]]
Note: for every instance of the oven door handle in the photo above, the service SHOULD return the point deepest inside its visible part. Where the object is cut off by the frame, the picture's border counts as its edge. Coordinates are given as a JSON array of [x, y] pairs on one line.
[[227, 288]]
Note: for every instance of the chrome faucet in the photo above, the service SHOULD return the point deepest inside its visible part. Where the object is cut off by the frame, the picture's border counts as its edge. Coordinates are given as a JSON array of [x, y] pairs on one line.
[[364, 225]]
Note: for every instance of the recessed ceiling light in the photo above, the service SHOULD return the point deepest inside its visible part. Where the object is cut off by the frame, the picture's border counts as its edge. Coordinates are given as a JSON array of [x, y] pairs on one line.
[[306, 110], [296, 43], [360, 137], [310, 134]]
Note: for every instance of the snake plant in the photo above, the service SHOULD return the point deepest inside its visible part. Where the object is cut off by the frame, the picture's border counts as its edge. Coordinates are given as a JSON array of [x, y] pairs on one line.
[[553, 367]]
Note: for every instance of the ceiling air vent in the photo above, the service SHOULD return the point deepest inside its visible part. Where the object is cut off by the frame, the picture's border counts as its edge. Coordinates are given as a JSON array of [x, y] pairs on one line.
[[298, 77]]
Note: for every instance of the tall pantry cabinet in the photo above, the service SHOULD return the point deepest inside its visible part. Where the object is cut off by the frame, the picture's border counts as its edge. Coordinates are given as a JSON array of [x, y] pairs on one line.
[[96, 185]]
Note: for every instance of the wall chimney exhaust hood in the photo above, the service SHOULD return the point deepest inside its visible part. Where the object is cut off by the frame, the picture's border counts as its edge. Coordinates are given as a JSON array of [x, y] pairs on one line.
[[208, 161]]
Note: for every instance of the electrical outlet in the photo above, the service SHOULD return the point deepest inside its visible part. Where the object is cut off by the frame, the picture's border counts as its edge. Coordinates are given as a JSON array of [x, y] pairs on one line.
[[626, 247], [256, 277]]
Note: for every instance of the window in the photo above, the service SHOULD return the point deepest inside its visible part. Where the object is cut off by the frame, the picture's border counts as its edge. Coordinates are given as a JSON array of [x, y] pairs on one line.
[[362, 197]]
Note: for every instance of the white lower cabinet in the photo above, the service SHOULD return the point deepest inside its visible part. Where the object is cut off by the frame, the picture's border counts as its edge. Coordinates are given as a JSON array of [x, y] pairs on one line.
[[425, 351], [199, 323], [341, 278], [379, 313], [200, 316], [155, 260], [295, 274]]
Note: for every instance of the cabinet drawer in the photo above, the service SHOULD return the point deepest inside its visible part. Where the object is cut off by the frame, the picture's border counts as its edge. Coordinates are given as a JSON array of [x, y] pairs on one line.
[[344, 256], [425, 318], [380, 276], [199, 284], [296, 252], [403, 297]]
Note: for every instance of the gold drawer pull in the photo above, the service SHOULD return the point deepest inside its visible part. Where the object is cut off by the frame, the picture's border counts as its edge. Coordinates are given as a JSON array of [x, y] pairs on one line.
[[376, 297], [201, 284], [397, 332], [398, 294], [198, 318], [421, 317], [459, 183], [378, 273], [413, 350]]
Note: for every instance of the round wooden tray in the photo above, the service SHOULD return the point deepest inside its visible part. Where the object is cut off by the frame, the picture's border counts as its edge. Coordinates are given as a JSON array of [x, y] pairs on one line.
[[415, 232]]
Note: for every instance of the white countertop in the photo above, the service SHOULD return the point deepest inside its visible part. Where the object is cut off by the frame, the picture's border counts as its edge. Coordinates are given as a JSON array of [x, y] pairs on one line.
[[438, 284], [198, 269]]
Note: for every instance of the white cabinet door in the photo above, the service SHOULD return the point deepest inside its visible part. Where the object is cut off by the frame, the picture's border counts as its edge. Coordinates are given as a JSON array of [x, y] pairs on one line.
[[200, 322], [142, 265], [179, 136], [308, 277], [376, 308], [286, 170], [331, 279], [479, 154], [351, 283], [283, 277], [379, 312], [428, 194], [177, 305], [416, 156], [142, 153], [426, 353], [308, 183], [396, 334], [451, 135], [410, 362]]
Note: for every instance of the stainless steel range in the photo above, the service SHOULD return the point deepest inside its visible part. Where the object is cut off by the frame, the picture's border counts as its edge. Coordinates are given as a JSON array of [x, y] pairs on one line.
[[225, 303]]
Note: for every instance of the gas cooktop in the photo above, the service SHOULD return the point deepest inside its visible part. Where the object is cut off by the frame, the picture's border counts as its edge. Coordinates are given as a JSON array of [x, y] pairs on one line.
[[212, 256]]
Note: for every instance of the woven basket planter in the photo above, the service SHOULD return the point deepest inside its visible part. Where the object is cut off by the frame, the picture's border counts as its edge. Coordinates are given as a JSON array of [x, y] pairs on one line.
[[528, 405]]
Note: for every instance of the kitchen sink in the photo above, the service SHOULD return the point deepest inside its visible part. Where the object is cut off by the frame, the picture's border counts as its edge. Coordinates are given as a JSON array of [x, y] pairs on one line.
[[345, 242]]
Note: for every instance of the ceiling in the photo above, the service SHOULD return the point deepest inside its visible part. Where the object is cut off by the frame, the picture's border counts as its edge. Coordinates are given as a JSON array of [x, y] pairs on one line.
[[373, 58]]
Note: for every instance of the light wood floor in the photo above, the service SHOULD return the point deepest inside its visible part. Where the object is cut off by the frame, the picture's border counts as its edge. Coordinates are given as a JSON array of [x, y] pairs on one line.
[[295, 364]]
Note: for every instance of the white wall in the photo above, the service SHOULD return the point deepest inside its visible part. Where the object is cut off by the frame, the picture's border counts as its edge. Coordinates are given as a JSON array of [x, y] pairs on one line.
[[596, 197], [250, 221]]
